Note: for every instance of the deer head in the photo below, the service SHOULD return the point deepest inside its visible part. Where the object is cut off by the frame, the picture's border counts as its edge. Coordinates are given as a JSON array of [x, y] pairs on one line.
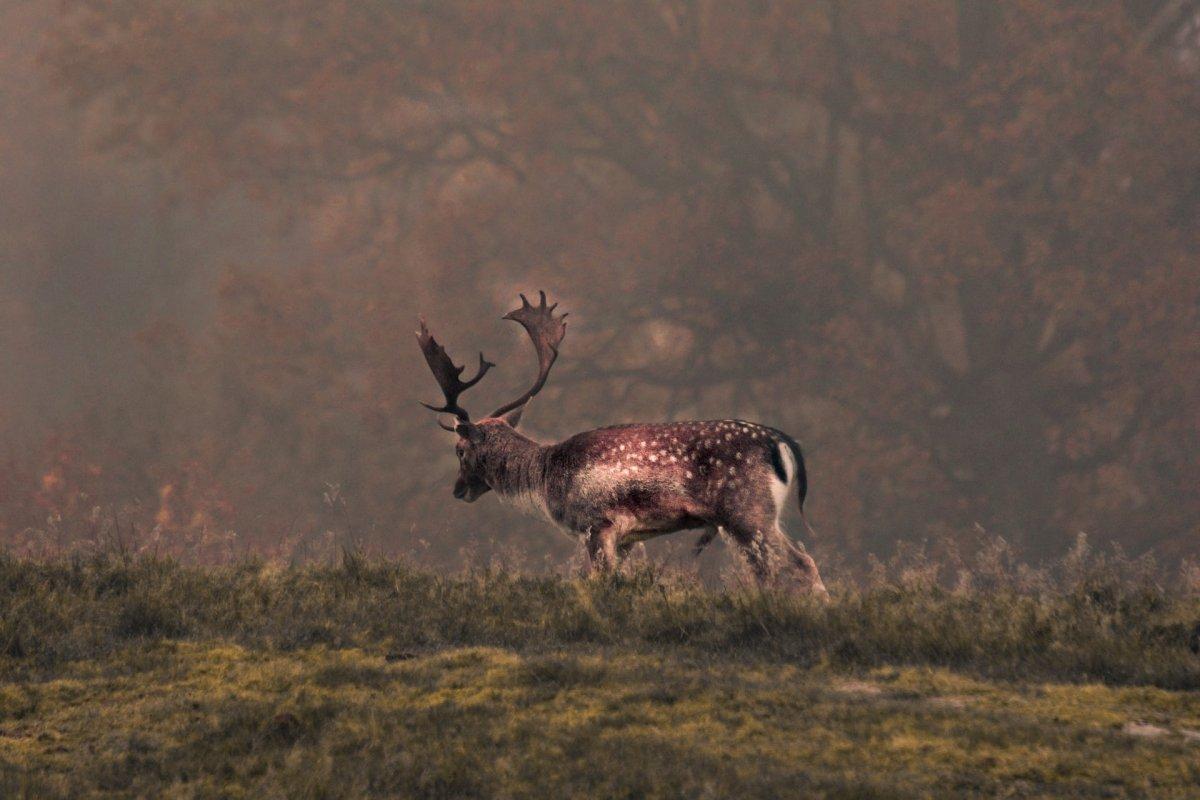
[[481, 445]]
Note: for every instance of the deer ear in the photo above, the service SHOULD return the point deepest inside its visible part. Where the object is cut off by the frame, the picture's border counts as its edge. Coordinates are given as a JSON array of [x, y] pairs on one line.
[[513, 417], [467, 431]]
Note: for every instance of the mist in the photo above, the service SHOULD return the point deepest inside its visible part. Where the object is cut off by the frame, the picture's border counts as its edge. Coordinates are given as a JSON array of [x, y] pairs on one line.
[[951, 247]]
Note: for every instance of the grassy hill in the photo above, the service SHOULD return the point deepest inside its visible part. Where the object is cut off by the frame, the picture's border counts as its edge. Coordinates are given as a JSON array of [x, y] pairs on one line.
[[126, 677]]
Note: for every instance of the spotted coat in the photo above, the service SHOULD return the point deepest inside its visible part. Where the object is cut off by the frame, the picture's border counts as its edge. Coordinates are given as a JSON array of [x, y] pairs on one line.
[[619, 485]]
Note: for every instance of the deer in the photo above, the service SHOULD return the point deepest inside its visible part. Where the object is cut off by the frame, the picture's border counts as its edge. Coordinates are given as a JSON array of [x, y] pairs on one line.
[[616, 486]]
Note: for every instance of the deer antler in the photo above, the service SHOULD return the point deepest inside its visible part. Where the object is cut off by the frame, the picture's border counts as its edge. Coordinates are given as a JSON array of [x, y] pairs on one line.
[[546, 331], [447, 374]]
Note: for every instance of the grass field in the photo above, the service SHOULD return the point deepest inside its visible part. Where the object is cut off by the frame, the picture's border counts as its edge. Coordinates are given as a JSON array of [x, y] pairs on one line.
[[124, 677]]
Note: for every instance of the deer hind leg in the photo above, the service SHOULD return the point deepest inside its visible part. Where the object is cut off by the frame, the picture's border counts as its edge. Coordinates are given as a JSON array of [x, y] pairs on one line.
[[771, 553], [706, 538], [802, 566], [760, 549]]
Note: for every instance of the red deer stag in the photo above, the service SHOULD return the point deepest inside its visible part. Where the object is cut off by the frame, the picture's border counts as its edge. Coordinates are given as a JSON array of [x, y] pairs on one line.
[[623, 484]]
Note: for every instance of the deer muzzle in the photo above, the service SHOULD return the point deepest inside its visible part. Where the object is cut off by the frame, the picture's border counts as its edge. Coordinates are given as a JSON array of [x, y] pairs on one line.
[[460, 490], [469, 491]]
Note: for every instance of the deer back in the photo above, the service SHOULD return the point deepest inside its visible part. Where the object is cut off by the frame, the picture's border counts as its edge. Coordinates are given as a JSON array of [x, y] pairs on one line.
[[706, 464]]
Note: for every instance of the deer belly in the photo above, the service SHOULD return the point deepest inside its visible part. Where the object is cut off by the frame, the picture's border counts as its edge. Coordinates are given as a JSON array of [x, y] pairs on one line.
[[649, 527], [655, 512], [595, 500]]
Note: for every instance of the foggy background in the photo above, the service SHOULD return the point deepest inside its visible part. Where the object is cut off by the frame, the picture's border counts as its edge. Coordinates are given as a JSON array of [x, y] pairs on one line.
[[950, 246]]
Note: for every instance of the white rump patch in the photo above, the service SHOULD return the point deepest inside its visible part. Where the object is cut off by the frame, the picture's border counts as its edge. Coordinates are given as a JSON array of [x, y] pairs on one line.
[[779, 489]]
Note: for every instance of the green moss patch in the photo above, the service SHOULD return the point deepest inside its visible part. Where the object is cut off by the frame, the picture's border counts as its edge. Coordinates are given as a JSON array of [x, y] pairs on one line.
[[215, 719]]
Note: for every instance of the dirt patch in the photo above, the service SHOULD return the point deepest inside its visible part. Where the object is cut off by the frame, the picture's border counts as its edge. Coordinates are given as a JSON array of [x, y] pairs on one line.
[[858, 687], [1144, 730], [950, 701]]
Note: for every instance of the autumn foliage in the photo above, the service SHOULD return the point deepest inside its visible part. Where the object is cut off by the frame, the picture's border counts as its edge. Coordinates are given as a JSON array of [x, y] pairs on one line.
[[952, 247]]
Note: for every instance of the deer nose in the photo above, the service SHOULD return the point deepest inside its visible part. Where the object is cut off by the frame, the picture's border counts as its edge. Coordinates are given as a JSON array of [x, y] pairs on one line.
[[460, 489]]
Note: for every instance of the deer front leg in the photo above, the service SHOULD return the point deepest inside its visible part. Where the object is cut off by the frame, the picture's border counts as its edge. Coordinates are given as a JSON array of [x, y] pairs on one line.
[[602, 548], [627, 546]]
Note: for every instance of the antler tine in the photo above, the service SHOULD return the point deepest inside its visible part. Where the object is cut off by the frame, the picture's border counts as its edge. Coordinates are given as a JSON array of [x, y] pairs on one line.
[[447, 374], [547, 331]]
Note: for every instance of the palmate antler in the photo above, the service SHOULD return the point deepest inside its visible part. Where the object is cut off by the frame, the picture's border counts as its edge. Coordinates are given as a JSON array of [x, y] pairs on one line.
[[547, 332], [447, 375]]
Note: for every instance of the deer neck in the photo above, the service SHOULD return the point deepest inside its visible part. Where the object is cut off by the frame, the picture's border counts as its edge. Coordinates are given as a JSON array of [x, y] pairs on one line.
[[516, 468]]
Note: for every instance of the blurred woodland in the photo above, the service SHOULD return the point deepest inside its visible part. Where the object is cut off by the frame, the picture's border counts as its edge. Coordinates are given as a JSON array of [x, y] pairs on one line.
[[950, 245]]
